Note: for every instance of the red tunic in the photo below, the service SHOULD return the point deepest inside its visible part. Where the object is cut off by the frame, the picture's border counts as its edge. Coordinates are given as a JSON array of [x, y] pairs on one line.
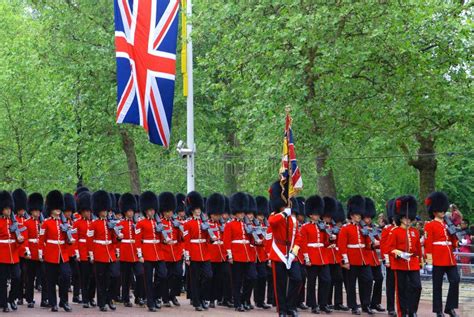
[[313, 243], [384, 237], [33, 227], [73, 247], [53, 242], [217, 251], [127, 246], [352, 243], [196, 241], [148, 241], [398, 241], [173, 250], [237, 242], [101, 242], [262, 254], [371, 254], [9, 245], [22, 250], [440, 244], [82, 226], [285, 234], [332, 252]]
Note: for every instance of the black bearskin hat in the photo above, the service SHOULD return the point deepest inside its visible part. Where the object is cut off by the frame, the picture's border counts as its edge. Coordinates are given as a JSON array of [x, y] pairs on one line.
[[314, 205], [6, 200], [113, 203], [355, 205], [127, 202], [227, 205], [262, 205], [239, 202], [54, 201], [19, 200], [180, 206], [389, 206], [101, 201], [148, 200], [80, 190], [69, 202], [84, 201], [276, 201], [405, 206], [369, 208], [436, 202], [330, 206], [252, 205], [166, 202], [340, 215], [215, 204], [194, 201], [35, 202], [295, 207], [301, 204]]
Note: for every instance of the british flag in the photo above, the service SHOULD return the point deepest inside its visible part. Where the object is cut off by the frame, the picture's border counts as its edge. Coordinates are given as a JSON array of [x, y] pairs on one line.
[[145, 39]]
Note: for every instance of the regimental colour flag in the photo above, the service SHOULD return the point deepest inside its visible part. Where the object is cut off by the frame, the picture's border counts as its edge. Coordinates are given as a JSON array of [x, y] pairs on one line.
[[145, 39], [290, 174]]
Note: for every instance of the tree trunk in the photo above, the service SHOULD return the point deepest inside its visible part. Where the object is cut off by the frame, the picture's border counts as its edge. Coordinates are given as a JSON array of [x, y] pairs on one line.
[[128, 147], [326, 183], [426, 165]]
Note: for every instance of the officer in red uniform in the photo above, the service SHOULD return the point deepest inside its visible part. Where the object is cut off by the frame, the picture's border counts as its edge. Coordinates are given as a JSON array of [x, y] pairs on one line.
[[129, 263], [373, 257], [286, 241], [263, 269], [439, 247], [9, 248], [298, 208], [314, 241], [172, 250], [69, 211], [215, 205], [149, 249], [53, 249], [351, 244], [101, 247], [180, 213], [404, 244], [33, 225], [388, 258], [196, 252], [82, 226], [19, 210]]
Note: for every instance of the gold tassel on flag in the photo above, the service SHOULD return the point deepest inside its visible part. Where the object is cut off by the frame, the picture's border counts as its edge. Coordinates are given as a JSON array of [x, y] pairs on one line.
[[184, 51]]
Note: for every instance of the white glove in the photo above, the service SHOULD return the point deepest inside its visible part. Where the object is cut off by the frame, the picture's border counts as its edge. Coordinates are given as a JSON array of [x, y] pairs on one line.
[[463, 242], [40, 255], [406, 256], [287, 212], [76, 253], [291, 257], [91, 257]]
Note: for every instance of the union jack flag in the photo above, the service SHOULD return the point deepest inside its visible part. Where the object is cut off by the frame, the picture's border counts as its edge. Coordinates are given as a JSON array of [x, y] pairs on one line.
[[145, 40], [290, 175]]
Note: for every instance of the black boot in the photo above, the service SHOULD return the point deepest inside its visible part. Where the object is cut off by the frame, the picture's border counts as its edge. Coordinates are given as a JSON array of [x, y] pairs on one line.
[[378, 308], [341, 307], [112, 305], [66, 307], [315, 310], [13, 306], [451, 313], [175, 301]]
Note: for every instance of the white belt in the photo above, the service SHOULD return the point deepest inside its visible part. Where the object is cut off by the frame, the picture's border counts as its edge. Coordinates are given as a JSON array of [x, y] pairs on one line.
[[151, 241], [127, 241], [356, 246], [7, 241], [198, 240], [442, 243], [241, 241], [316, 245], [103, 242], [55, 241], [218, 242], [33, 240], [172, 242], [82, 240]]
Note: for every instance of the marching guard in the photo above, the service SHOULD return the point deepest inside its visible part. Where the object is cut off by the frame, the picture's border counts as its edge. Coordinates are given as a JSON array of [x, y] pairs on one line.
[[263, 269]]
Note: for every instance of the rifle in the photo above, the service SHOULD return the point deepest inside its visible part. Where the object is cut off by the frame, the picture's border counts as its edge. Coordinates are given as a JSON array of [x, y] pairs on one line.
[[221, 224], [67, 228], [176, 223], [335, 229], [161, 229], [14, 227], [205, 226], [453, 230], [366, 232], [112, 223], [249, 229], [258, 228]]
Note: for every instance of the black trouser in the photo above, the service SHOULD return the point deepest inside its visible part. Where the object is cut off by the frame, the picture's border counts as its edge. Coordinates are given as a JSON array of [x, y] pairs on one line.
[[105, 272], [23, 278], [286, 284], [33, 269], [363, 274], [335, 271], [452, 301], [408, 285], [76, 276], [301, 292], [171, 285], [270, 290], [126, 271], [200, 276], [250, 279], [87, 281], [58, 274], [16, 283], [153, 269], [218, 281], [377, 290], [139, 281], [240, 270], [8, 271], [261, 283], [322, 273], [390, 289]]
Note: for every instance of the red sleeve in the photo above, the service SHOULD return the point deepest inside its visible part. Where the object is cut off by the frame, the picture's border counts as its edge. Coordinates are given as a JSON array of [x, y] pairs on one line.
[[186, 237], [418, 245], [90, 237], [304, 240], [342, 241], [227, 238], [428, 238], [138, 235], [42, 236], [274, 220], [391, 241]]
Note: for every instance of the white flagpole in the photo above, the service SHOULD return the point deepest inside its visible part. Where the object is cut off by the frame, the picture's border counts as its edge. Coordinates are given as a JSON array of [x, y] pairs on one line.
[[190, 101]]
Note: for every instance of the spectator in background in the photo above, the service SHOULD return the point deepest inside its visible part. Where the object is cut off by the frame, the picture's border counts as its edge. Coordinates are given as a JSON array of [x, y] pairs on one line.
[[465, 247]]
